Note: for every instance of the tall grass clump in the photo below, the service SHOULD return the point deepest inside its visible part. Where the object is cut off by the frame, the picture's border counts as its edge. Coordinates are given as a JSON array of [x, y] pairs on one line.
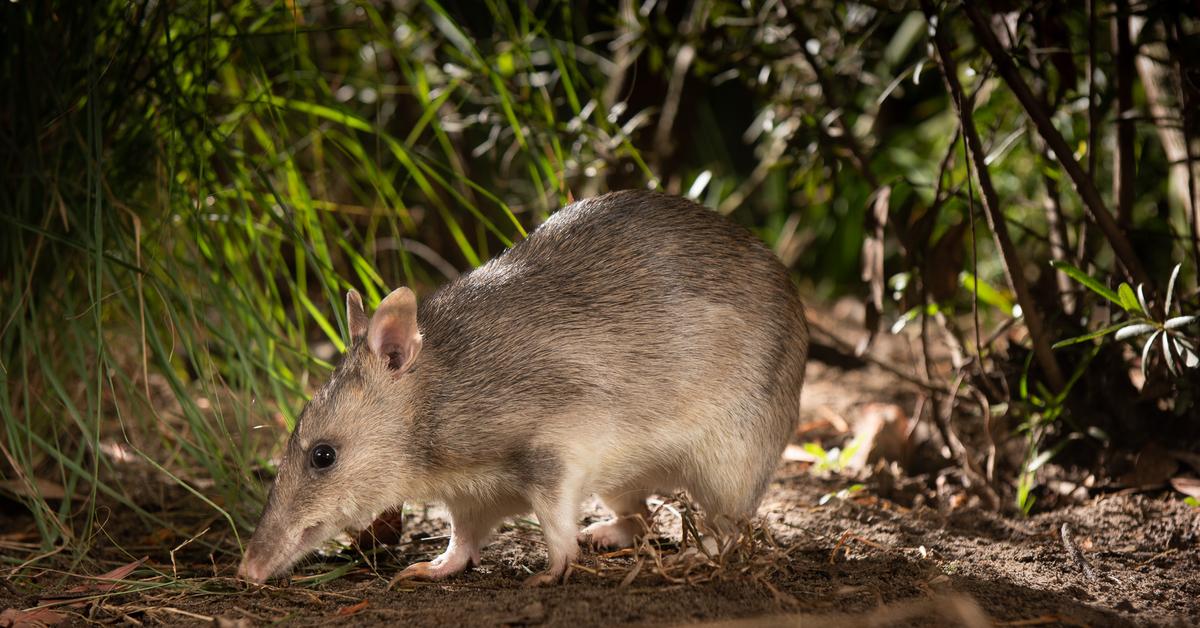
[[190, 188]]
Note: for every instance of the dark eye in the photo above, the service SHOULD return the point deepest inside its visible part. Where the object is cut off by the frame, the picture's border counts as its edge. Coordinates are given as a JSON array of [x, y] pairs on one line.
[[323, 456]]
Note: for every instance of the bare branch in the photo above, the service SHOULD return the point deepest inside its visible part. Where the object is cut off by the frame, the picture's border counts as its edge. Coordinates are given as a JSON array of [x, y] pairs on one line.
[[1084, 184], [991, 206], [1124, 164]]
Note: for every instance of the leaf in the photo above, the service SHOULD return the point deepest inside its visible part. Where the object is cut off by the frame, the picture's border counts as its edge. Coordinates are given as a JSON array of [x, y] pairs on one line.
[[1166, 342], [45, 489], [1187, 486], [1041, 459], [353, 609], [986, 293], [872, 261], [905, 319], [1179, 321], [1089, 282], [1133, 330], [793, 453], [815, 449], [32, 617], [1089, 336], [1129, 301], [103, 583], [1171, 287], [1184, 351], [1146, 352]]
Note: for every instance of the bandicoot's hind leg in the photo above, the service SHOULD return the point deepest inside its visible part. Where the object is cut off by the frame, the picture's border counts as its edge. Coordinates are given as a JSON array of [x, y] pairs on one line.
[[631, 520], [730, 483], [470, 526], [557, 511]]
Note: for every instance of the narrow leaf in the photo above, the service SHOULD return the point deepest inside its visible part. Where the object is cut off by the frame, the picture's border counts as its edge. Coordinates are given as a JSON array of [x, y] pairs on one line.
[[1146, 353], [1129, 301], [1171, 287], [986, 292], [1136, 329], [1166, 343], [1088, 336], [1179, 321], [1089, 282]]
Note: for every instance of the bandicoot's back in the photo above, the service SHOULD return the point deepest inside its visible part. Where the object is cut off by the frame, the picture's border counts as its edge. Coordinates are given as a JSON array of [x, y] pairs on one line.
[[637, 326], [633, 343]]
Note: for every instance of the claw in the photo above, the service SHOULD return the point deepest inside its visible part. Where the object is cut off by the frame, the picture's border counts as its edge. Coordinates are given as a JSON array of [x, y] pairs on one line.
[[415, 571]]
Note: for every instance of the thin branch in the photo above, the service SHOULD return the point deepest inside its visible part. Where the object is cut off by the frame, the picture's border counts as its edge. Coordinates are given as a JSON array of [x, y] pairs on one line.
[[1188, 111], [692, 28], [1085, 233], [1124, 164], [1056, 222], [991, 207], [858, 157], [849, 349], [1084, 184], [1166, 105]]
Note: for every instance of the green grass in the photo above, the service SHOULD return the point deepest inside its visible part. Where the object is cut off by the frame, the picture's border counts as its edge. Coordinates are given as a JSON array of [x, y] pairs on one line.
[[195, 211]]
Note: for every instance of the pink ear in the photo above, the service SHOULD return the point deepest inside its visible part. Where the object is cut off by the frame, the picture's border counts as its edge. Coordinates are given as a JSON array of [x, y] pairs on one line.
[[355, 316], [393, 333]]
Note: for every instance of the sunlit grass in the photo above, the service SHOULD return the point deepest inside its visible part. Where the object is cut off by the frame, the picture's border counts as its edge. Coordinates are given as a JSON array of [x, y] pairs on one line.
[[176, 278]]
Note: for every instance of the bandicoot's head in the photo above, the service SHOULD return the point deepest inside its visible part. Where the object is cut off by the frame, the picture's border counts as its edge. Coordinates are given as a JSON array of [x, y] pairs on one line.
[[344, 462]]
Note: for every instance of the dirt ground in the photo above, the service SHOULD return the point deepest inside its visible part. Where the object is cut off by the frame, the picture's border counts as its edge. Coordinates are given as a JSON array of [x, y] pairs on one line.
[[830, 553]]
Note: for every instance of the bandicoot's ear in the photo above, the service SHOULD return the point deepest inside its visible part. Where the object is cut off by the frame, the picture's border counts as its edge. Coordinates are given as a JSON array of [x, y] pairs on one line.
[[393, 334], [356, 317]]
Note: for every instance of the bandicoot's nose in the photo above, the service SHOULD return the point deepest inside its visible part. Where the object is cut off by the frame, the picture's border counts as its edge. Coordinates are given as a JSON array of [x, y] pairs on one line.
[[251, 571]]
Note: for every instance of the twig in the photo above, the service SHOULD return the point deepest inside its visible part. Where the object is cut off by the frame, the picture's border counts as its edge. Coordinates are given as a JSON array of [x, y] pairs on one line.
[[1187, 110], [691, 30], [1057, 231], [850, 536], [1056, 223], [849, 349], [179, 611], [1123, 164], [858, 157], [991, 205], [1074, 552], [1084, 184]]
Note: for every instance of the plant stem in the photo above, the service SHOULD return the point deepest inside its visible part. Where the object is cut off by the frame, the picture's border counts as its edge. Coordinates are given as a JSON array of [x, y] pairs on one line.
[[991, 206], [1124, 165], [1084, 184]]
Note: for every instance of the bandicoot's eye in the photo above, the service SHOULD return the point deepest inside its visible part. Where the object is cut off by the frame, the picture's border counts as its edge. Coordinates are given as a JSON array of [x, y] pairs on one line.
[[323, 456]]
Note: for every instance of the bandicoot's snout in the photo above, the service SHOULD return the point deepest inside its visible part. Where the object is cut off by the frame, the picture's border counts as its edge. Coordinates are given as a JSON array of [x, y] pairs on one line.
[[272, 550], [252, 569]]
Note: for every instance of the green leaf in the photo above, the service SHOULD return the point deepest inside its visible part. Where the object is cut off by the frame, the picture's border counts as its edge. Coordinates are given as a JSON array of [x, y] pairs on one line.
[[815, 449], [1129, 300], [1089, 282], [1104, 331], [986, 292]]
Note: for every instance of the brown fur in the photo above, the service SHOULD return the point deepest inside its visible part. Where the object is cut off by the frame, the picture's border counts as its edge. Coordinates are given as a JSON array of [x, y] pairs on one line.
[[635, 342]]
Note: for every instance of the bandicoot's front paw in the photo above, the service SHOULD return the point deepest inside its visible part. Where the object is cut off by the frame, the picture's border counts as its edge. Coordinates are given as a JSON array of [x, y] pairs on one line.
[[431, 570]]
